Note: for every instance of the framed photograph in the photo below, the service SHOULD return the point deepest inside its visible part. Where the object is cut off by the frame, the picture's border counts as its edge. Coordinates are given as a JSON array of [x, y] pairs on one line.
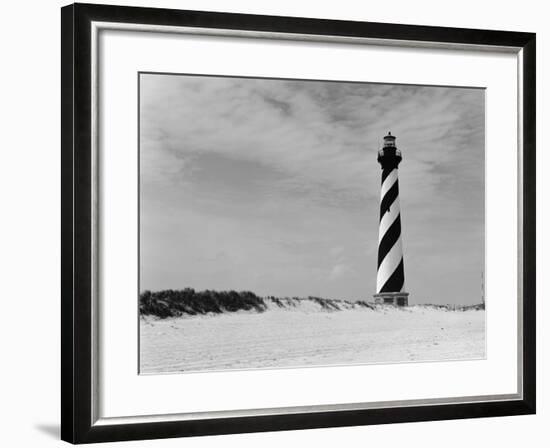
[[275, 223]]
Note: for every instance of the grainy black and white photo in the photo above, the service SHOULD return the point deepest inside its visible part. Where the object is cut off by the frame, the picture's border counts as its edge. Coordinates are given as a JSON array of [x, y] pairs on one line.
[[301, 223]]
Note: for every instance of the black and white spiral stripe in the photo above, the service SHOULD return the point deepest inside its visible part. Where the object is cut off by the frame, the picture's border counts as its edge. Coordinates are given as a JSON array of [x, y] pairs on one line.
[[390, 275]]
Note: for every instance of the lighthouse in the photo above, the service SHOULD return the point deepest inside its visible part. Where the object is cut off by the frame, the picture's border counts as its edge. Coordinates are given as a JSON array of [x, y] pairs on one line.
[[390, 278]]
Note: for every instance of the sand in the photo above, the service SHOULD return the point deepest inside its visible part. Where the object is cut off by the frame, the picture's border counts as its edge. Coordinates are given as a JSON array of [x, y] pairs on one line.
[[309, 336]]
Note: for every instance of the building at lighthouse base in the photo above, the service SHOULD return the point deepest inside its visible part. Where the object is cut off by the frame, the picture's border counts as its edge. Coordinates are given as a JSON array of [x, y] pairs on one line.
[[392, 298]]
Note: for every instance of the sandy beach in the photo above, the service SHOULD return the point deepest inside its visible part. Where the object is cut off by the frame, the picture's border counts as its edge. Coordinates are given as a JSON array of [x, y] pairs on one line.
[[309, 336]]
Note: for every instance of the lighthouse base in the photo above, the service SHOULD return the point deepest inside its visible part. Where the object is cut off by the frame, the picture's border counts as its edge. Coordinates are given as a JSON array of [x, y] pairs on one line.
[[392, 298]]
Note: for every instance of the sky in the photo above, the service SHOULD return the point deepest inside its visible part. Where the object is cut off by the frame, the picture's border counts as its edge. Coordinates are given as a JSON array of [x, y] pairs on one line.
[[272, 186]]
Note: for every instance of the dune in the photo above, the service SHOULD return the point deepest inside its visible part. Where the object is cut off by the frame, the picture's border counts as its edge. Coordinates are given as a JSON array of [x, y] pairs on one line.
[[279, 333]]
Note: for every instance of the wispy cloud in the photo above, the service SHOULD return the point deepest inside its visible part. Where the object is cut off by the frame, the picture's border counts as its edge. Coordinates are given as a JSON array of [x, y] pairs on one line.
[[276, 174]]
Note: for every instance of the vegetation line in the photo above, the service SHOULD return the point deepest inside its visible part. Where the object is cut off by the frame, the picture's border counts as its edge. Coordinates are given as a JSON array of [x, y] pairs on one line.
[[174, 303]]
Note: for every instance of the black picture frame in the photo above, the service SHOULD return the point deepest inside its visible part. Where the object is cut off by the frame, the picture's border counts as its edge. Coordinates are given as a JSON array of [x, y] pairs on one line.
[[77, 424]]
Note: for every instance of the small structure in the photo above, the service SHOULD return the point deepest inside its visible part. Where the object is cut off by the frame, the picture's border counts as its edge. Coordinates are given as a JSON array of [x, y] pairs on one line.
[[390, 279]]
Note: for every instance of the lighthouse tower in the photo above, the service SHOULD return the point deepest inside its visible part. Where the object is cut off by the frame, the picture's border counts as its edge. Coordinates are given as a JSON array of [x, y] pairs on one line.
[[390, 279]]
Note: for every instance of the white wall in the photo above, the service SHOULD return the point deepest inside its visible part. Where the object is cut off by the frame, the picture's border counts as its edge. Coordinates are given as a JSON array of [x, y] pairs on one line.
[[29, 222]]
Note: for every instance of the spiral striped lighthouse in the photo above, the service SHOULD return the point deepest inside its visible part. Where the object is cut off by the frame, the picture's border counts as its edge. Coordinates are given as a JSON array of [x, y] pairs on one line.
[[390, 279]]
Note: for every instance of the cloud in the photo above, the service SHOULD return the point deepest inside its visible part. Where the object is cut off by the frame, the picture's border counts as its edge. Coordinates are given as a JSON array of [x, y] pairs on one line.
[[340, 270]]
